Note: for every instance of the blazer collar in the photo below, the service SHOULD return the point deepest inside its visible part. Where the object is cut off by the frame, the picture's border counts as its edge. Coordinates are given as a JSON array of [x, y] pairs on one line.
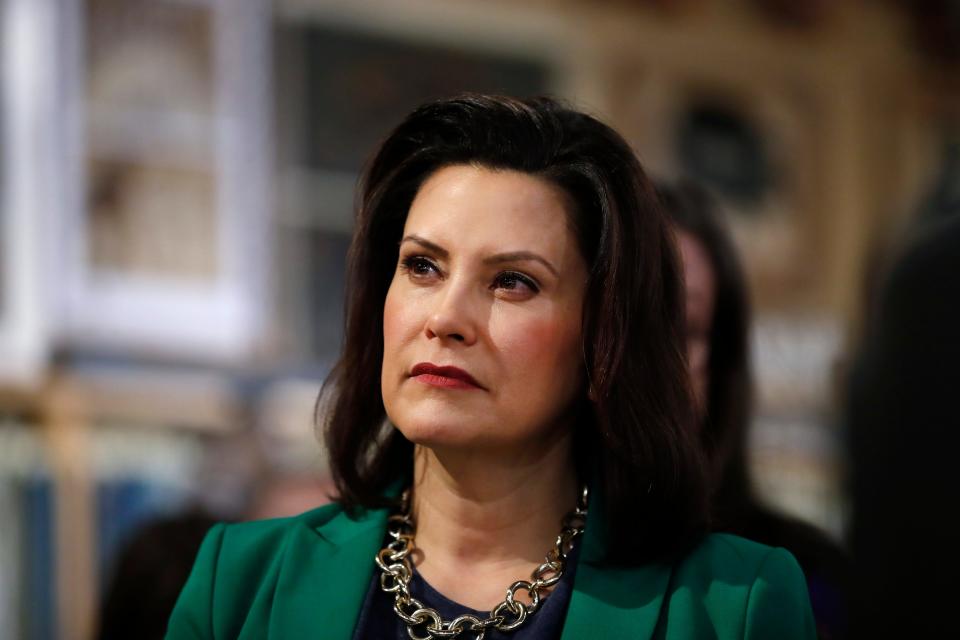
[[607, 601]]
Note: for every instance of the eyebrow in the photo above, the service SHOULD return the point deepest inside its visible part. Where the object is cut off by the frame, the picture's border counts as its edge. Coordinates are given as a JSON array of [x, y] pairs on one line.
[[511, 256]]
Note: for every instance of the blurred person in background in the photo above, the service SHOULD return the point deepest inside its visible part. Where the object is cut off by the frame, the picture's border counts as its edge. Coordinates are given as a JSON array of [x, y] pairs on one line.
[[718, 354], [904, 423], [148, 575], [513, 353]]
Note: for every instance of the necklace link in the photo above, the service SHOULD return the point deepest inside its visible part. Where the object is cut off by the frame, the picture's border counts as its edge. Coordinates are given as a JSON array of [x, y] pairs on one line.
[[397, 571]]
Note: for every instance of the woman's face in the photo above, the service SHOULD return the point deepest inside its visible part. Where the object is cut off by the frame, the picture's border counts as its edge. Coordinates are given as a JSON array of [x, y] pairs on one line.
[[481, 325], [700, 292]]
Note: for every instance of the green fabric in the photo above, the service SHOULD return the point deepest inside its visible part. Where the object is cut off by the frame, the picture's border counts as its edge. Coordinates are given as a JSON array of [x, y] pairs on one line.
[[306, 577]]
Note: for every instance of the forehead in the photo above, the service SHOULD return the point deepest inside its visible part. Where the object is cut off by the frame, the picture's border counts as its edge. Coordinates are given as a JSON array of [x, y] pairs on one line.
[[468, 204]]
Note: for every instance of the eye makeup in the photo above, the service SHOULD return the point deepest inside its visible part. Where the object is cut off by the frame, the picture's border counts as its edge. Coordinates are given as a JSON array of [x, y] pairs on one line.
[[420, 267]]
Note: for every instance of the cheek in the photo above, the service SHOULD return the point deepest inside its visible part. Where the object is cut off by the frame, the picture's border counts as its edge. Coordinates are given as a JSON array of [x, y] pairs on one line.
[[392, 322], [400, 317], [538, 351], [398, 325]]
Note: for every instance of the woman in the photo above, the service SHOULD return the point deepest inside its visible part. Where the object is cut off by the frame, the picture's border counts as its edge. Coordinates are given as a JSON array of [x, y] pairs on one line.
[[513, 353], [717, 316]]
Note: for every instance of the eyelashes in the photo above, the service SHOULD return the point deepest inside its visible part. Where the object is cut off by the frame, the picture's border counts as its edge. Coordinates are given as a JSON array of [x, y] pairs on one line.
[[511, 279], [422, 268], [418, 266]]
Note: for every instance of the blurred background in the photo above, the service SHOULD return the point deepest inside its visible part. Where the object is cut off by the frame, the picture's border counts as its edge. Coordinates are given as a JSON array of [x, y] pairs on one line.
[[176, 185]]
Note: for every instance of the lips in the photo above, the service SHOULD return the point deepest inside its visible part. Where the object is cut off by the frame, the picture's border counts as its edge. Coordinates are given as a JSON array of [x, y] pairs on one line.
[[446, 377]]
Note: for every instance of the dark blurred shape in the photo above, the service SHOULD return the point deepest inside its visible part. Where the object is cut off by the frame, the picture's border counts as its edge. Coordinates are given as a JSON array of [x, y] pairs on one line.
[[940, 202], [149, 574], [944, 198], [796, 13], [721, 149], [726, 417], [936, 28], [668, 7], [904, 420]]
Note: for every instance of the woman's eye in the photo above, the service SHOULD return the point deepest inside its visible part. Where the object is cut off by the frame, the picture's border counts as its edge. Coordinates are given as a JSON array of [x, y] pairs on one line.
[[418, 266], [513, 281]]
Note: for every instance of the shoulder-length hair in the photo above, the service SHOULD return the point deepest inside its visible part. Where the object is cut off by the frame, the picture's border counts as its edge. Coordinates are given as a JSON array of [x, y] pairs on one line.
[[729, 393], [634, 434]]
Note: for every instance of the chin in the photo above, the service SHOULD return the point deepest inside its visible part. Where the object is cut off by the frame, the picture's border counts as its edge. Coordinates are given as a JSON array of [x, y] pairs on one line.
[[421, 411], [431, 432], [432, 426]]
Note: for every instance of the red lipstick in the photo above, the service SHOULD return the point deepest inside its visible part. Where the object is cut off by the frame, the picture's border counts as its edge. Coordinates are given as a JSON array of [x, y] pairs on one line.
[[445, 377]]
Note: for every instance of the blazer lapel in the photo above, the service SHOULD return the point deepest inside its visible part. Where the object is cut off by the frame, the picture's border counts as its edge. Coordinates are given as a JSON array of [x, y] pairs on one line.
[[326, 570], [613, 602], [616, 603]]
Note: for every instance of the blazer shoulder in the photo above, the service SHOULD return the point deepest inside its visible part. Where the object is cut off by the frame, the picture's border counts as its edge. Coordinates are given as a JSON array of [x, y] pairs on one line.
[[236, 566], [737, 563], [738, 588], [249, 547], [730, 556], [247, 552]]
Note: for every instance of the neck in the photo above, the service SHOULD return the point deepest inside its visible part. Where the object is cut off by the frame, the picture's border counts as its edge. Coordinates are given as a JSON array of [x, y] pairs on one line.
[[484, 521]]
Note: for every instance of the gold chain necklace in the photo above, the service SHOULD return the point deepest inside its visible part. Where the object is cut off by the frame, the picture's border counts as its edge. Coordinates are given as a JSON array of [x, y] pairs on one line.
[[396, 572]]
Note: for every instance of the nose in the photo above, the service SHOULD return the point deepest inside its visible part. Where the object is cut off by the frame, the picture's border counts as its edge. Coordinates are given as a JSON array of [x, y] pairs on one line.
[[452, 317]]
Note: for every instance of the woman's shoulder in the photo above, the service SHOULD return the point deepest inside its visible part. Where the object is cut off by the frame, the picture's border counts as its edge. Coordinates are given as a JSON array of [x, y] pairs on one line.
[[730, 563], [240, 568], [726, 574], [732, 556], [256, 541]]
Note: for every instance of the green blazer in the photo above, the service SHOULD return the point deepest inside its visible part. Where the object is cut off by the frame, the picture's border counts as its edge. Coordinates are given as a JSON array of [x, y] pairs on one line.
[[307, 576]]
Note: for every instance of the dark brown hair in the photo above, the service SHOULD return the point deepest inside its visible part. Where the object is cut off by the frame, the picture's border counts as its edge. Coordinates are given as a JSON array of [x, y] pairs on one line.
[[729, 394], [634, 440]]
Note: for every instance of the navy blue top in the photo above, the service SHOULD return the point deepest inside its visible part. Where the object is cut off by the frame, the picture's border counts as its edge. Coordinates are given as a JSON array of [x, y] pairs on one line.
[[378, 620]]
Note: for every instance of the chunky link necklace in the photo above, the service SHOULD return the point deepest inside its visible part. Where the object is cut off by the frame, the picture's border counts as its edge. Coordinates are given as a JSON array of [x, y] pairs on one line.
[[396, 572]]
